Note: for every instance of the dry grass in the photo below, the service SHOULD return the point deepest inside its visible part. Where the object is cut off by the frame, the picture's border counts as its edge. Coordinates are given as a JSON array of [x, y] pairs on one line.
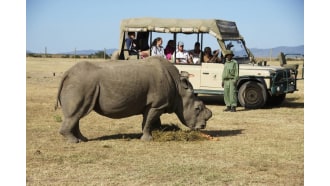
[[253, 147]]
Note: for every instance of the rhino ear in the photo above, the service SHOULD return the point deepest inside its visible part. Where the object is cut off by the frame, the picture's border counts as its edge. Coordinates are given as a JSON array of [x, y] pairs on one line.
[[184, 82], [184, 76]]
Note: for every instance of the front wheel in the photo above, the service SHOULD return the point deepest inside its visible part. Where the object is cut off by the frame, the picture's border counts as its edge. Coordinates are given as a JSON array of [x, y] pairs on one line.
[[252, 95]]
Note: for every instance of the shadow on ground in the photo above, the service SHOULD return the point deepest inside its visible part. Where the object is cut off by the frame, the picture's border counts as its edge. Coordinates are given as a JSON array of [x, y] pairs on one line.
[[287, 103], [291, 103], [218, 100], [212, 99], [223, 133], [166, 128]]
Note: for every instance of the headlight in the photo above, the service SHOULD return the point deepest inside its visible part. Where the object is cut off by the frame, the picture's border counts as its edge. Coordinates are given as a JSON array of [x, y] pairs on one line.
[[278, 89]]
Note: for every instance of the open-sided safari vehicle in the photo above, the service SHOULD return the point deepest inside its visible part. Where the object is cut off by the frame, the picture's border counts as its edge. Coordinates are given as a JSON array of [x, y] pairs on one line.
[[258, 84]]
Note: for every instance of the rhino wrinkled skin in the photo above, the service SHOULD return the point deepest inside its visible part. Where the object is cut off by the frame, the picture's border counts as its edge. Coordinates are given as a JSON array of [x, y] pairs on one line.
[[119, 89]]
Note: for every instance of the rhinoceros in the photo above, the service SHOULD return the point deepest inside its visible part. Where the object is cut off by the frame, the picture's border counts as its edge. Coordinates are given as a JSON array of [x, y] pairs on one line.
[[119, 89]]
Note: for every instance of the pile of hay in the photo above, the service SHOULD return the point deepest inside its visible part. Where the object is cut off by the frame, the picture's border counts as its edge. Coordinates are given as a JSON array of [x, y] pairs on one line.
[[174, 133]]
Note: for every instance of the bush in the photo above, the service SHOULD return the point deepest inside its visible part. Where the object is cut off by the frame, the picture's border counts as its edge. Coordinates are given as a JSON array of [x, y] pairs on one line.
[[33, 55]]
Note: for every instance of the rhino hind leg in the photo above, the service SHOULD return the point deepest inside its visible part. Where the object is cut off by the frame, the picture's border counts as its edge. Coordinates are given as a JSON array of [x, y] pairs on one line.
[[75, 106], [156, 125], [70, 130]]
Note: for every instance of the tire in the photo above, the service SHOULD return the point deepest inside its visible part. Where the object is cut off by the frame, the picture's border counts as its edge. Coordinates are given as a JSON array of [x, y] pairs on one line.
[[252, 95], [276, 100]]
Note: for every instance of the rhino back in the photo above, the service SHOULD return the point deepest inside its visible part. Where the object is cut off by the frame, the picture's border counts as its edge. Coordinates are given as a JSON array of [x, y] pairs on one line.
[[128, 88]]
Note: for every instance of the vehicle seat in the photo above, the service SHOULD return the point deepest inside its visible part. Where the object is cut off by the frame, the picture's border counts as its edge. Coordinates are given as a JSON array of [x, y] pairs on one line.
[[283, 62]]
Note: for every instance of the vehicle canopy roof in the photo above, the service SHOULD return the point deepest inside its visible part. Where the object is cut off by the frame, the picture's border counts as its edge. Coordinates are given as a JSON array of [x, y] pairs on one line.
[[220, 29]]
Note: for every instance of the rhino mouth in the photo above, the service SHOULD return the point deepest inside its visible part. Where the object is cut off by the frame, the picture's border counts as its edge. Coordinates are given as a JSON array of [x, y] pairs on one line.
[[200, 126]]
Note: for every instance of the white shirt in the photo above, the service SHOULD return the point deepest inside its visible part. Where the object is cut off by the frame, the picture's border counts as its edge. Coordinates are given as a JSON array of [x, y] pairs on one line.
[[157, 51], [182, 56]]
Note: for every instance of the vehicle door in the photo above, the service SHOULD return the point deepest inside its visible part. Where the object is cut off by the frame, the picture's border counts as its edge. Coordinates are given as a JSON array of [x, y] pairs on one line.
[[211, 75]]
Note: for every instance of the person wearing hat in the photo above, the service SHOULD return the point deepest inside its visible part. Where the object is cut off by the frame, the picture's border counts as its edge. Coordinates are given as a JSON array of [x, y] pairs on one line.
[[182, 56], [131, 43], [229, 81]]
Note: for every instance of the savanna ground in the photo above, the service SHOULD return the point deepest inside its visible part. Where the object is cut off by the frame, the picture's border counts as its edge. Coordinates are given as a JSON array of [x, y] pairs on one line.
[[249, 147]]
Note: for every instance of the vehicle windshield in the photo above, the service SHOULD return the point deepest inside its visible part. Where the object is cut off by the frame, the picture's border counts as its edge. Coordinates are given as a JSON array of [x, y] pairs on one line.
[[238, 49]]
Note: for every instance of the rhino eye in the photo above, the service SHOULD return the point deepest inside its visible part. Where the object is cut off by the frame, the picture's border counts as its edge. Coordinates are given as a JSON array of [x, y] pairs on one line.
[[198, 108]]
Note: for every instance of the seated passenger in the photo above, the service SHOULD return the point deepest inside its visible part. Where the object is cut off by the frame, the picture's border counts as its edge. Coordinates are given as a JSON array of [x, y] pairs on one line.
[[196, 53], [157, 48], [209, 58], [182, 56], [142, 44], [131, 44], [169, 49]]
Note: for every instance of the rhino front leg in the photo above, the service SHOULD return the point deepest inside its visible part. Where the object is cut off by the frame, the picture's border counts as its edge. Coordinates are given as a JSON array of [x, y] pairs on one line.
[[154, 126], [68, 126], [149, 118]]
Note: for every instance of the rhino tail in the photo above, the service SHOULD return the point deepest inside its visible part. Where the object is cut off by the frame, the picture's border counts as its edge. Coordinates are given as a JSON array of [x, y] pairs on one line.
[[58, 101]]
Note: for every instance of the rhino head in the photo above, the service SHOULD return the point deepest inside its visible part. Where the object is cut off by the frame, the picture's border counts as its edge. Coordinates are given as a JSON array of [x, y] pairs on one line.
[[190, 110]]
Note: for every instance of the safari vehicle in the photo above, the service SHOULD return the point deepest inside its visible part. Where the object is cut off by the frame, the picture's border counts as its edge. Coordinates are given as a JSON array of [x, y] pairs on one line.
[[258, 83]]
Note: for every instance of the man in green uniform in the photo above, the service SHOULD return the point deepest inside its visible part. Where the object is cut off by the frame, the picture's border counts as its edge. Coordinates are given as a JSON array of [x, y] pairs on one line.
[[229, 81]]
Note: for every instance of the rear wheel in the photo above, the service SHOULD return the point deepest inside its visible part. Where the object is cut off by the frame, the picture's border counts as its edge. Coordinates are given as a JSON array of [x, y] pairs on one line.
[[252, 95]]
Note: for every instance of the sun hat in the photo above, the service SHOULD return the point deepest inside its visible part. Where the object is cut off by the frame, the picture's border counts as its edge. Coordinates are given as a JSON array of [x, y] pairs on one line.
[[229, 52]]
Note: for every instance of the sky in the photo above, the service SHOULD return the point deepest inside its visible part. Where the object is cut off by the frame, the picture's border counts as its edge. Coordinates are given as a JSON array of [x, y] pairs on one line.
[[65, 25]]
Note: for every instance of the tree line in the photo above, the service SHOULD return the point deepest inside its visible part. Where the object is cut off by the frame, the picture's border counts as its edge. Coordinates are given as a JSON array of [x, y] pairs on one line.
[[99, 54]]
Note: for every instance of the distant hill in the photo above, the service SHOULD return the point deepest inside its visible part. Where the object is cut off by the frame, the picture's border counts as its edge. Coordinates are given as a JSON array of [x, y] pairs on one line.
[[88, 52], [274, 52]]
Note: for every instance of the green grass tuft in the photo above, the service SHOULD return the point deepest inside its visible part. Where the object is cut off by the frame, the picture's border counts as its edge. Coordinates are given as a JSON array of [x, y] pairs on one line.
[[58, 118]]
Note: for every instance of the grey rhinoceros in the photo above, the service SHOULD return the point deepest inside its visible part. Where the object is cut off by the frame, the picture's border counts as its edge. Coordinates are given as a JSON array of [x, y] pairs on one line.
[[119, 89]]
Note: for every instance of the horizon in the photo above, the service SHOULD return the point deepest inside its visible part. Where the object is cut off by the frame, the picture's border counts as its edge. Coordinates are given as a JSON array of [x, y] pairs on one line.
[[257, 52], [64, 52]]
